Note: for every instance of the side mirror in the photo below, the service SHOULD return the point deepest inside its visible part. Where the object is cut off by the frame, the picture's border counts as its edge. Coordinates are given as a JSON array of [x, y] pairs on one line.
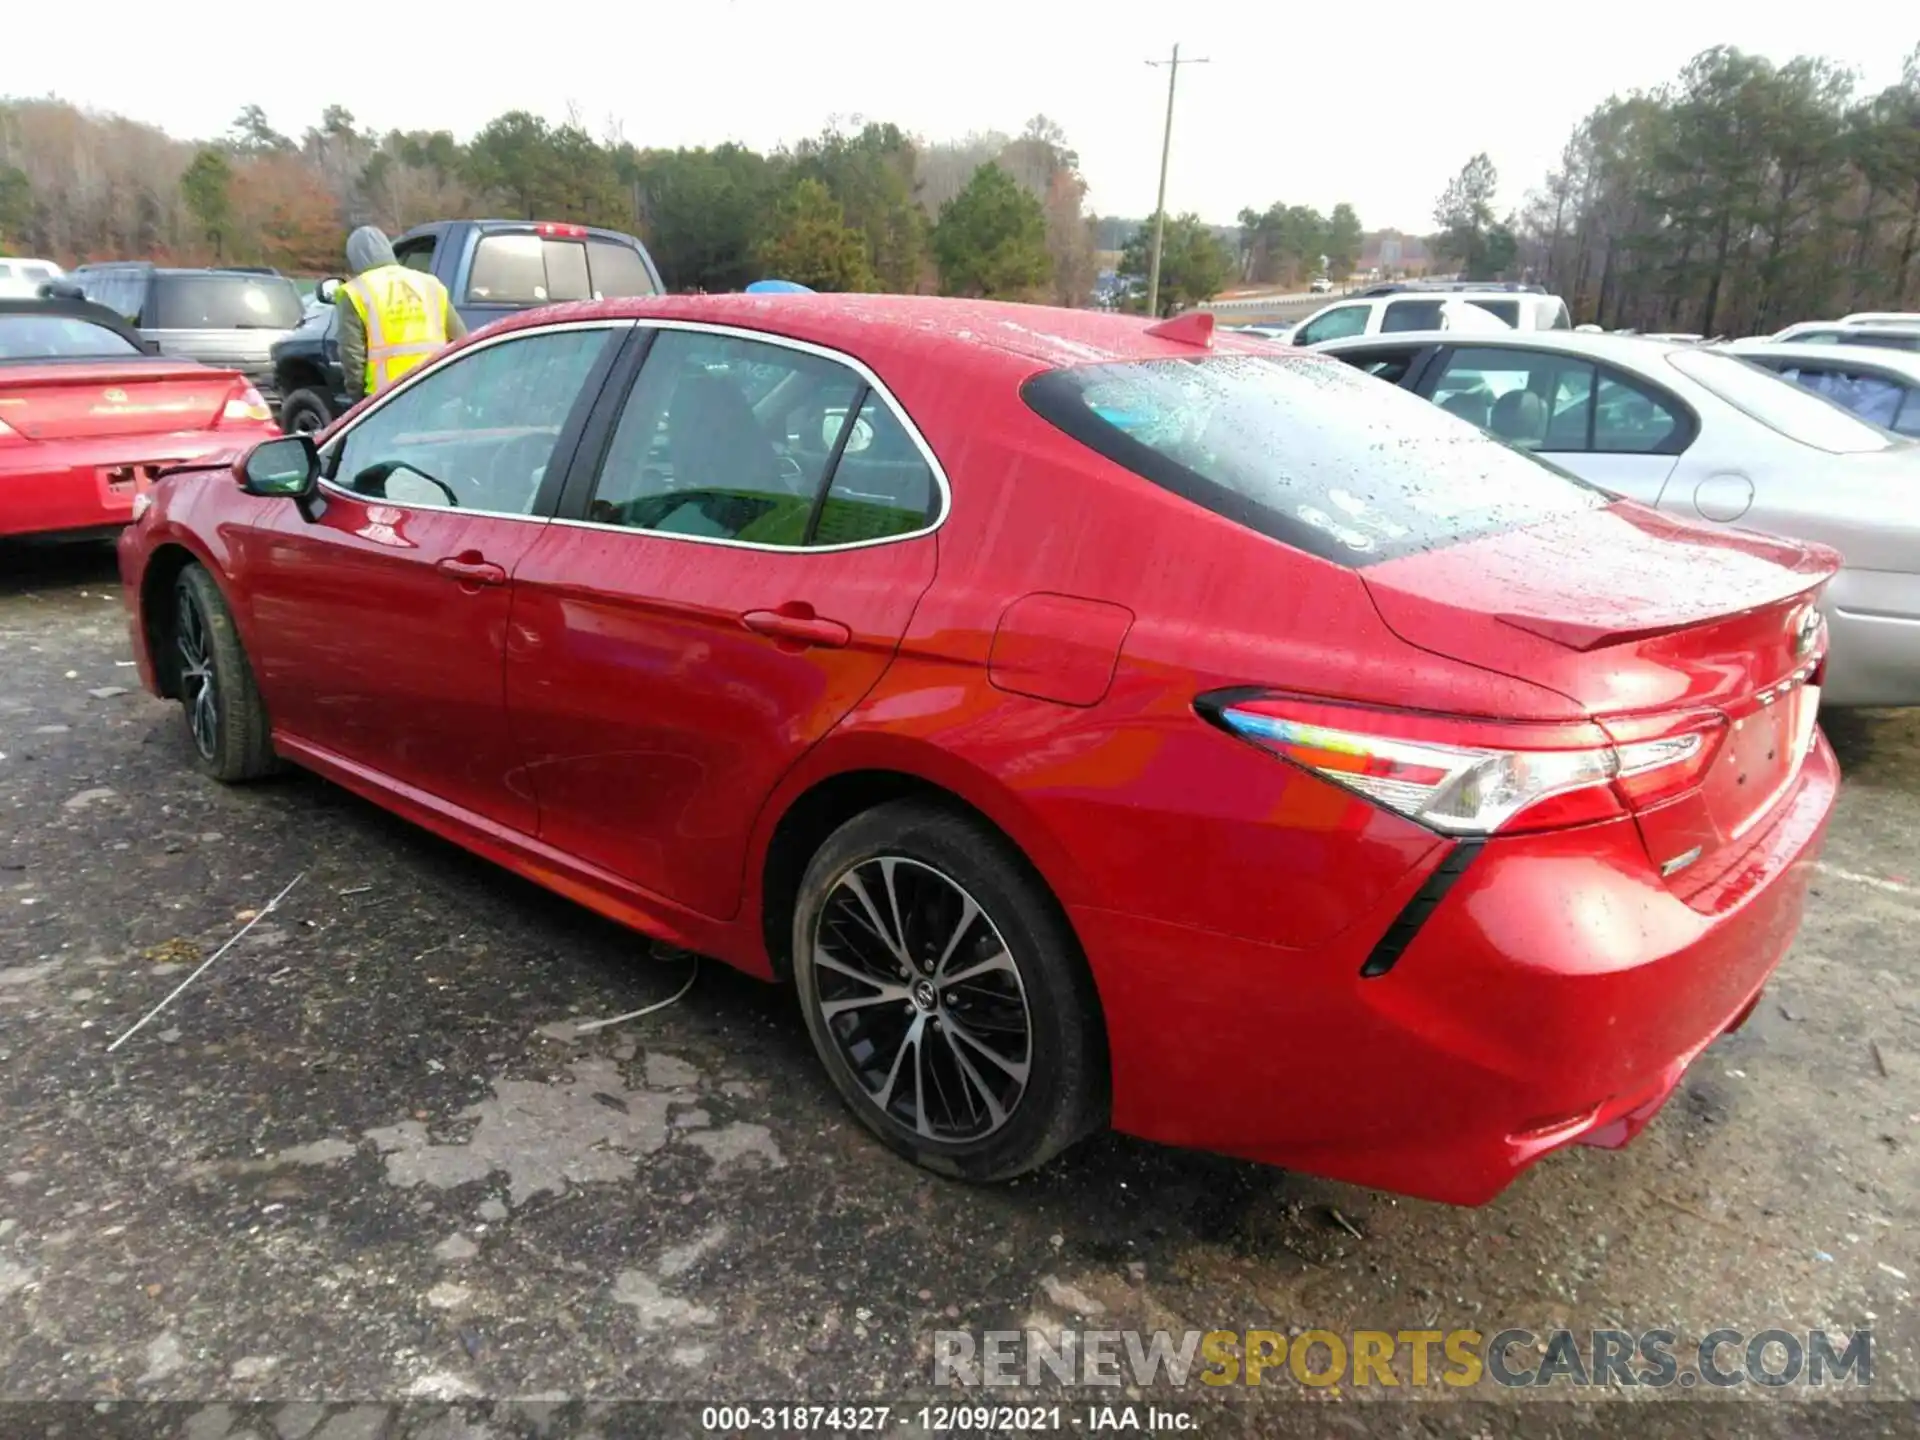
[[328, 290], [282, 469]]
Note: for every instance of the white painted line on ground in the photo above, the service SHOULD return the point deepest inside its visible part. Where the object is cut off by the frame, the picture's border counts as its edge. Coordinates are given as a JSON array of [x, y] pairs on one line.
[[272, 905], [1892, 887]]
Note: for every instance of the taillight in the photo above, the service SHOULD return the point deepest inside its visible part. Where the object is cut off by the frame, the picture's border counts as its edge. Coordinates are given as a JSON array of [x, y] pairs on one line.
[[1469, 776], [245, 403], [1664, 756], [552, 229]]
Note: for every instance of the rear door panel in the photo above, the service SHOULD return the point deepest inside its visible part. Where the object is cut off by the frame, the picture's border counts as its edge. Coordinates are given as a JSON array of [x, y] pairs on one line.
[[659, 681]]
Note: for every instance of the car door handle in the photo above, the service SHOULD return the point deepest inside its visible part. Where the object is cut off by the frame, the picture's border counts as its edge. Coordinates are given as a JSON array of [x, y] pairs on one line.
[[799, 624], [472, 569]]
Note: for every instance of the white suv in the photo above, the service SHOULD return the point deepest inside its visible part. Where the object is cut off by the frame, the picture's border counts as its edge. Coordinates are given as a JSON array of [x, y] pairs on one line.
[[1415, 308], [21, 276]]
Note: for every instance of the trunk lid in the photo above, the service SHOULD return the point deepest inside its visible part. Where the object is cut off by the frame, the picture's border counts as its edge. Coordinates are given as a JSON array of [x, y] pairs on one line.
[[1633, 616], [91, 400]]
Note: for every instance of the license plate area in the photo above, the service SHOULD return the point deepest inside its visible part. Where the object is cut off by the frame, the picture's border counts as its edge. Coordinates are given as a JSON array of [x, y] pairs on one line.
[[1763, 755]]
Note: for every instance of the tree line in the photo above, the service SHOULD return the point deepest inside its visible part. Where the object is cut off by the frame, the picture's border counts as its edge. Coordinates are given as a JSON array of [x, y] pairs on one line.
[[861, 207], [866, 208], [1737, 199]]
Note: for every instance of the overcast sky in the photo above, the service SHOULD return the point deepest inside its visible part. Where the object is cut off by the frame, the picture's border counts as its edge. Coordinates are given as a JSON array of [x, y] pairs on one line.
[[1377, 104]]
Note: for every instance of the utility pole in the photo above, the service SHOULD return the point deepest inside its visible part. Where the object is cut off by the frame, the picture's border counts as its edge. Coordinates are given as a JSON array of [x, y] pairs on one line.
[[1160, 206]]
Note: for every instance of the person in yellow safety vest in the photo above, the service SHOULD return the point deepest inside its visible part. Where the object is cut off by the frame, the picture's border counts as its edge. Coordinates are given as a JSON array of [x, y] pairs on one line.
[[391, 318]]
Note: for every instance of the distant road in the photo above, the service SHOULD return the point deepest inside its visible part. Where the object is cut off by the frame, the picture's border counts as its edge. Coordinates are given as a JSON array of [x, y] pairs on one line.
[[1286, 309]]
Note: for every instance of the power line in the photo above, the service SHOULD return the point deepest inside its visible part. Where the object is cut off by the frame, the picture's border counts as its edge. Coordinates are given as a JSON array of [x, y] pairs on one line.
[[1160, 206]]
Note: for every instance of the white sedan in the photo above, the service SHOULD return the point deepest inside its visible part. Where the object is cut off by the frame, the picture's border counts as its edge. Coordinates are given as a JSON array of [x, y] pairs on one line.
[[1699, 432]]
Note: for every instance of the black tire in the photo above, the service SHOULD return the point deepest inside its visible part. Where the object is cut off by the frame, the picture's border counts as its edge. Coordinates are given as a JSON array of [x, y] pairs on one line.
[[305, 412], [227, 731], [940, 860]]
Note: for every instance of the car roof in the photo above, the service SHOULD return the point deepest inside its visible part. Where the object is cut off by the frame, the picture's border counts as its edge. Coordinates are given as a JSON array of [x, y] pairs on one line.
[[434, 227], [237, 272], [905, 328], [1857, 357], [1625, 349], [1388, 297], [1849, 327]]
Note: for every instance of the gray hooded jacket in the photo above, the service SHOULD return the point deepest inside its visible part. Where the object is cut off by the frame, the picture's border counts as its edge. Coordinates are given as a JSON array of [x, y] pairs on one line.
[[368, 249]]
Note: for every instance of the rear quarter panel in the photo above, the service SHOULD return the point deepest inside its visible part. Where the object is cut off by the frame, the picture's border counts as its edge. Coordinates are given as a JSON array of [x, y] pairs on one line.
[[1161, 814]]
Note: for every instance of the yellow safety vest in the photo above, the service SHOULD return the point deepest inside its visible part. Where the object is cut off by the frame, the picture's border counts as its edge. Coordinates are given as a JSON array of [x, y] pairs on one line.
[[405, 314]]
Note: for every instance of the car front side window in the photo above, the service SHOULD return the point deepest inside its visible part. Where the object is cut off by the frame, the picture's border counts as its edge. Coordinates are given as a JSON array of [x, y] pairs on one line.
[[476, 434]]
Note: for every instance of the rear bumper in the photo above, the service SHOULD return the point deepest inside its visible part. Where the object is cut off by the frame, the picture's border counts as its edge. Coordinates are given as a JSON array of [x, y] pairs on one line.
[[1557, 994], [43, 491]]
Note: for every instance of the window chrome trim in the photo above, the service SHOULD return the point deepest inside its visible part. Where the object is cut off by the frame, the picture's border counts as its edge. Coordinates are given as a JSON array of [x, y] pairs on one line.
[[876, 387], [434, 367]]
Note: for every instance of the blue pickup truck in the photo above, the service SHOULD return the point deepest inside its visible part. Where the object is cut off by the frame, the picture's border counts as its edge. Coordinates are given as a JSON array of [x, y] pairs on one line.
[[490, 268]]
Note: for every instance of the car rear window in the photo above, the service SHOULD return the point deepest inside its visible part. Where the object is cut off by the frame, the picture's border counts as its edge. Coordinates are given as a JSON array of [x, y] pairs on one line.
[[1779, 404], [524, 269], [224, 302], [58, 337], [1306, 450], [1507, 310]]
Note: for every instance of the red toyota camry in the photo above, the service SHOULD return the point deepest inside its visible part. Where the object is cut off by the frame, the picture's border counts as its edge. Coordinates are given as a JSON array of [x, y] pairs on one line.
[[1097, 723], [89, 416]]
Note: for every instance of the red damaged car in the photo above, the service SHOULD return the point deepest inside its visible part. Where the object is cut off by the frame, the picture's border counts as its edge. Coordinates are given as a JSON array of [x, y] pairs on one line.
[[1099, 724], [89, 416]]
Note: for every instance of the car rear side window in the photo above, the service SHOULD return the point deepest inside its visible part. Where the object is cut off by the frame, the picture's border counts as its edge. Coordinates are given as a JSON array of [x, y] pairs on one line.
[[1309, 452], [1507, 310], [1412, 315], [224, 302], [882, 485], [725, 439]]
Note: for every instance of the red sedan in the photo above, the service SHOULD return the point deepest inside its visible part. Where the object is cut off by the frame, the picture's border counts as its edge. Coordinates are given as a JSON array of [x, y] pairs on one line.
[[1097, 723], [89, 416]]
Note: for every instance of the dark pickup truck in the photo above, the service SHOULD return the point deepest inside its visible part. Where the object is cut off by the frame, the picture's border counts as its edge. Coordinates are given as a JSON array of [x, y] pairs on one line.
[[490, 268]]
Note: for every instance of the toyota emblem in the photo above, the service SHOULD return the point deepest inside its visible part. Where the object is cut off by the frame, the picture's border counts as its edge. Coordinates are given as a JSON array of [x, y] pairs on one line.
[[114, 397], [1806, 632]]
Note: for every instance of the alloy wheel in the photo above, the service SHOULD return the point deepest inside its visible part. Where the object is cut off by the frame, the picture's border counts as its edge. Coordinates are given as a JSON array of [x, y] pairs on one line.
[[922, 999], [198, 685]]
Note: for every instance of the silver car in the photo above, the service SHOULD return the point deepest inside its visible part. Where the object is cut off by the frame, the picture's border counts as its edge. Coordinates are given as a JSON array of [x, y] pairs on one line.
[[1699, 432]]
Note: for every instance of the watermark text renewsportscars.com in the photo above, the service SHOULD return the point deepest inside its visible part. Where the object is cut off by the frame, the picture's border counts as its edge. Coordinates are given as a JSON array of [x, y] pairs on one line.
[[1413, 1359]]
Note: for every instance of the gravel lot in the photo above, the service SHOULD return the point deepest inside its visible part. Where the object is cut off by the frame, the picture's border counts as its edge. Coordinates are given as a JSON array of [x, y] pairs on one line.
[[364, 1161]]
